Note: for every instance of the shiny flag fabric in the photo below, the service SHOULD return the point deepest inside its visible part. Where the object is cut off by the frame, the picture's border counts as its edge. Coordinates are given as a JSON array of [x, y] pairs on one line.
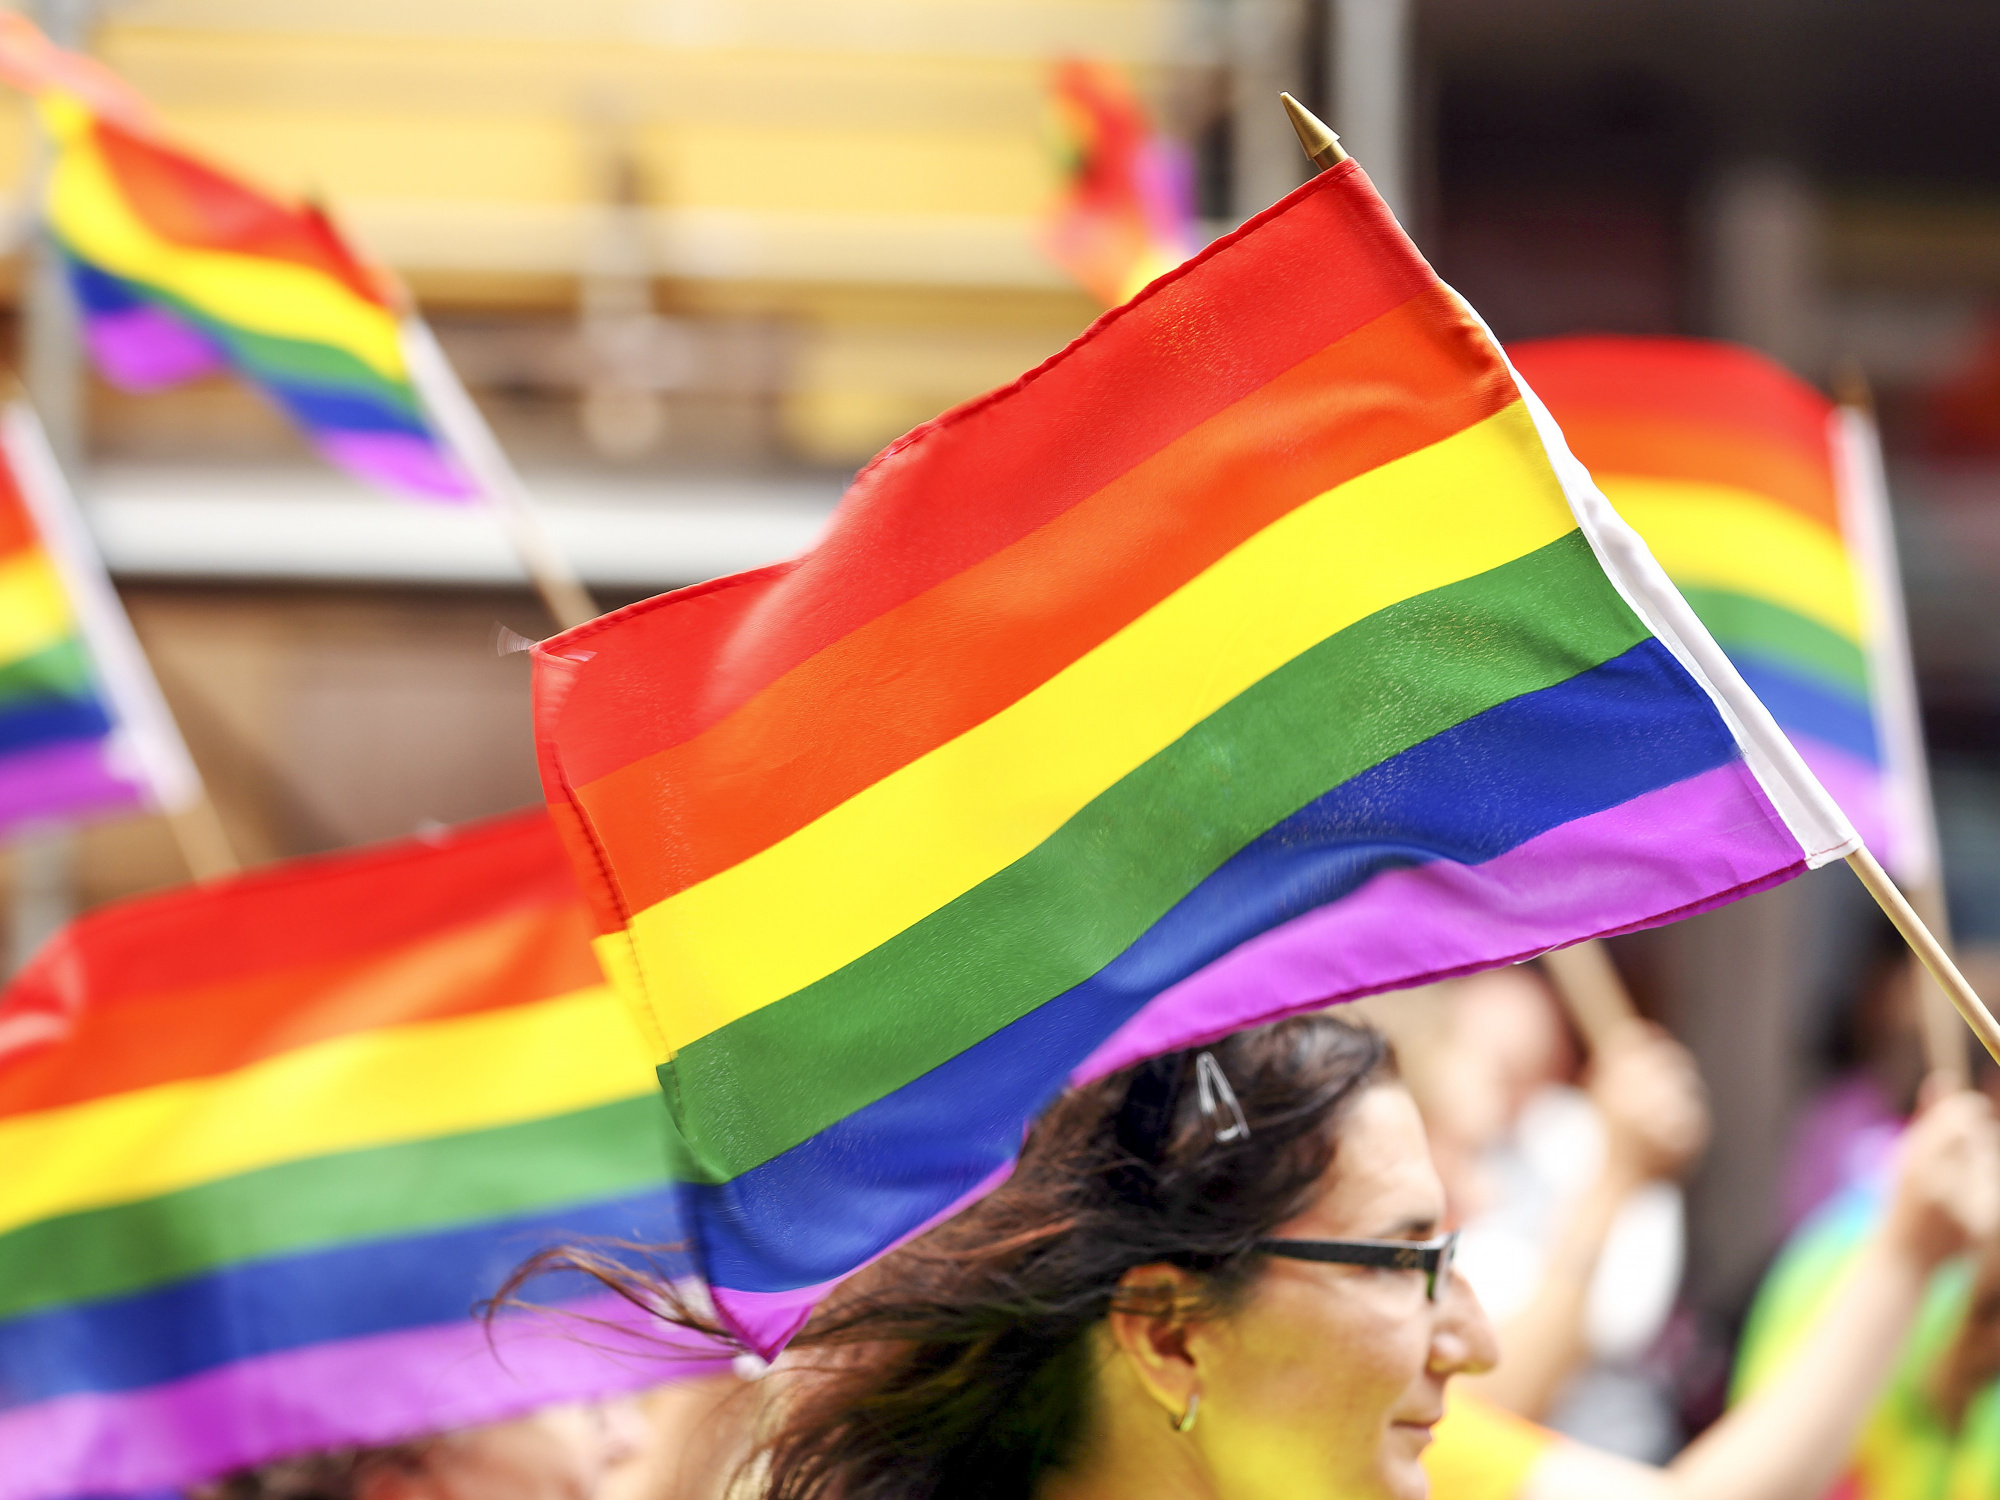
[[181, 270], [269, 1140], [1264, 648], [1732, 468], [83, 729]]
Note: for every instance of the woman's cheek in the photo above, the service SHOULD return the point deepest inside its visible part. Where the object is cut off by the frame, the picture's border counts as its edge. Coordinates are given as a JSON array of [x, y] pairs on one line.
[[1291, 1421]]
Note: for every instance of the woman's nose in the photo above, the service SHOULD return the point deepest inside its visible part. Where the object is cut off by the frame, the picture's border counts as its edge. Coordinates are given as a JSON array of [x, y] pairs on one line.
[[1463, 1341]]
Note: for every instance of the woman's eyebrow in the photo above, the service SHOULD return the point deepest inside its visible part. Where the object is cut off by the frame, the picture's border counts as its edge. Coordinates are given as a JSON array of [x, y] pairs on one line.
[[1412, 1228]]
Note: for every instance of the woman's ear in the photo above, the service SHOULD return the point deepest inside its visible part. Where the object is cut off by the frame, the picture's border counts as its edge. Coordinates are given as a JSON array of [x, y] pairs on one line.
[[1149, 1320]]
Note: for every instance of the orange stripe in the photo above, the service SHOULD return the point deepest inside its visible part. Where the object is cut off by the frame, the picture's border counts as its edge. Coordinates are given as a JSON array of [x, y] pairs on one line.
[[1612, 442], [516, 958], [932, 668]]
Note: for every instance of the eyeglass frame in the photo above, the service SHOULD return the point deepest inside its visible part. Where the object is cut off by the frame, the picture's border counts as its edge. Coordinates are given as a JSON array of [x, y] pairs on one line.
[[1433, 1257]]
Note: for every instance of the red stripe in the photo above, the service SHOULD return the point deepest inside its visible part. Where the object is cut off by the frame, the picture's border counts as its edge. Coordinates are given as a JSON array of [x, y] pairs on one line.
[[270, 932], [189, 203], [17, 527], [886, 694], [980, 478], [515, 958], [1695, 382]]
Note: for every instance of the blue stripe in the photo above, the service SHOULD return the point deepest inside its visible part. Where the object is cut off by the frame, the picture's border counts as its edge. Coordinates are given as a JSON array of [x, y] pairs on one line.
[[99, 292], [1805, 707], [24, 726], [287, 1303], [320, 409], [1633, 725]]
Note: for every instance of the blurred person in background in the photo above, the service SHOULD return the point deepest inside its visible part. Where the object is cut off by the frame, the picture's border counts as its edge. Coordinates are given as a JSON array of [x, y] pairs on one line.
[[1788, 1440], [679, 1441], [1935, 1433], [575, 1451], [1573, 1229], [1874, 1061]]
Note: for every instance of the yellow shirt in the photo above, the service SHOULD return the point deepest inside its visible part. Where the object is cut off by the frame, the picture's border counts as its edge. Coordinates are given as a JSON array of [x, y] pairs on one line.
[[1479, 1452]]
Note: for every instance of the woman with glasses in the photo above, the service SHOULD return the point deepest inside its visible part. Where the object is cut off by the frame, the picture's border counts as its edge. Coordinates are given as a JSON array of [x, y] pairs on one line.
[[1224, 1275]]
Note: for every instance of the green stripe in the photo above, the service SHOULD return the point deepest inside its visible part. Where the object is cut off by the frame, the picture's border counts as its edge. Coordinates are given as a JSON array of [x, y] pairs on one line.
[[58, 671], [301, 360], [297, 362], [1396, 678], [330, 1200], [1758, 627]]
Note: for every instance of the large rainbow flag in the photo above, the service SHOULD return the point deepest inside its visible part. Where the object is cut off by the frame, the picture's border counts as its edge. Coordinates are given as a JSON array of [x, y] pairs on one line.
[[268, 1141], [182, 269], [1732, 470], [1263, 648], [1126, 214], [83, 728], [1906, 1451]]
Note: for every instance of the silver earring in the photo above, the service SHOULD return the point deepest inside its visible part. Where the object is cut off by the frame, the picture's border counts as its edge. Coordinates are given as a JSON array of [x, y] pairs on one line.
[[1186, 1423]]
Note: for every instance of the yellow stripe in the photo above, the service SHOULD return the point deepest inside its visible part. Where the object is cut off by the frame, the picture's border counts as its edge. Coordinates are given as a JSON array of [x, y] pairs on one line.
[[34, 610], [905, 846], [401, 1083], [1718, 536], [269, 296]]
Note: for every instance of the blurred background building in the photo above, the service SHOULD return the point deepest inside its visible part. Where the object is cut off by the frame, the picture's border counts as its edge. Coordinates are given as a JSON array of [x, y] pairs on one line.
[[700, 258]]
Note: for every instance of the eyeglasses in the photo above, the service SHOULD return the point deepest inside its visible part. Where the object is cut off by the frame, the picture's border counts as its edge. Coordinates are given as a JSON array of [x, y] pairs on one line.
[[1432, 1257]]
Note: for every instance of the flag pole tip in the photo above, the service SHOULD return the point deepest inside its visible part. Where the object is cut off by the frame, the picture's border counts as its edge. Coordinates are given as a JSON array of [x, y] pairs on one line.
[[1320, 143]]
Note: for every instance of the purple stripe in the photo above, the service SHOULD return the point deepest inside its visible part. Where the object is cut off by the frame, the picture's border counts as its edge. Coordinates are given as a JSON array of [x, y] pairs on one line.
[[145, 349], [1859, 787], [61, 781], [381, 1389], [1662, 856], [767, 1320], [396, 461]]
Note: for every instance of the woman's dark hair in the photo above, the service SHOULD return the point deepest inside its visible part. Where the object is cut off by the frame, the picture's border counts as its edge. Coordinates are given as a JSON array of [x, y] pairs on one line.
[[960, 1367]]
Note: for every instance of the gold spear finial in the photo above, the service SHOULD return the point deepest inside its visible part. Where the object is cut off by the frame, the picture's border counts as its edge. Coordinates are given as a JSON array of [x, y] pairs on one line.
[[1321, 144]]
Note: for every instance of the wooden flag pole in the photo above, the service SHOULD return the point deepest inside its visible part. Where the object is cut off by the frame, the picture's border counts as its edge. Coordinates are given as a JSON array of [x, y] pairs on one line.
[[1929, 950], [203, 841], [463, 427]]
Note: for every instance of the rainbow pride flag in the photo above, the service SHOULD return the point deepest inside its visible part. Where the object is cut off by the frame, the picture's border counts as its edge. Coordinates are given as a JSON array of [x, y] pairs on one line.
[[1905, 1452], [83, 728], [181, 270], [1262, 649], [1731, 469], [269, 1140], [1127, 210]]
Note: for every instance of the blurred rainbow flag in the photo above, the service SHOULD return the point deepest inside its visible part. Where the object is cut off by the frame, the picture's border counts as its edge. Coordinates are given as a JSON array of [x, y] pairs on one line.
[[181, 269], [83, 728], [1906, 1451], [1127, 210], [1262, 649], [1744, 482], [269, 1140]]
